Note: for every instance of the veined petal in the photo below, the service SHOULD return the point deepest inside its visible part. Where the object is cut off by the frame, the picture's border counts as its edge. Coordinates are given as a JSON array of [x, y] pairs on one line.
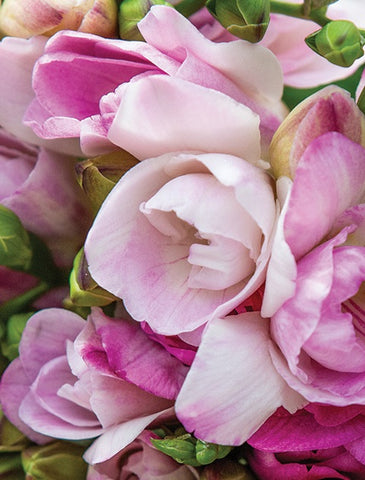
[[232, 386]]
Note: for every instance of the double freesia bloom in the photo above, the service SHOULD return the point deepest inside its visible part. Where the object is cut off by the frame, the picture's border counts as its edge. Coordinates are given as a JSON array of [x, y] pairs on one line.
[[236, 243]]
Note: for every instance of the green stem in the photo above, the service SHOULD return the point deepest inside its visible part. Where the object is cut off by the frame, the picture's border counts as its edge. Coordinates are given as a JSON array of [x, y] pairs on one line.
[[17, 304], [188, 7], [297, 11]]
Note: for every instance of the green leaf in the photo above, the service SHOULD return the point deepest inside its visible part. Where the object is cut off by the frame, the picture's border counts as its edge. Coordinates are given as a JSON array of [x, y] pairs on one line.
[[15, 248]]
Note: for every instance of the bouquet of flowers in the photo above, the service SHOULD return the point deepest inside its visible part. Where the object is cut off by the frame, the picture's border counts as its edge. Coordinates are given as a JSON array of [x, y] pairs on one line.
[[182, 240]]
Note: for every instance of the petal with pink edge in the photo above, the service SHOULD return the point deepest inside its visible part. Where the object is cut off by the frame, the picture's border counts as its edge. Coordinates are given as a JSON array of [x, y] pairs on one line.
[[232, 386]]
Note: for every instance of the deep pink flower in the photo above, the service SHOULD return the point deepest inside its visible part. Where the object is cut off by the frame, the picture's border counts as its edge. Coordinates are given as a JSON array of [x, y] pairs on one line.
[[77, 380]]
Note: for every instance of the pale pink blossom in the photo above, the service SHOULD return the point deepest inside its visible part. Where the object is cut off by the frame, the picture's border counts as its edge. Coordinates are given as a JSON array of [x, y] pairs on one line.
[[184, 237], [123, 105]]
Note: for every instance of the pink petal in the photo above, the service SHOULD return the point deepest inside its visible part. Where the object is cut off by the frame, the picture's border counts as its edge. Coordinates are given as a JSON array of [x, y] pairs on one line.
[[234, 366], [116, 438], [44, 338], [158, 128], [329, 179], [14, 387]]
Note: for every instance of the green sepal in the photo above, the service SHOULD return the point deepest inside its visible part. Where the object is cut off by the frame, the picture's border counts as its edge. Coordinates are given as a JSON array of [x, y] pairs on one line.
[[339, 41], [15, 248], [84, 291], [131, 12], [97, 176], [181, 449], [361, 101], [14, 330], [243, 18]]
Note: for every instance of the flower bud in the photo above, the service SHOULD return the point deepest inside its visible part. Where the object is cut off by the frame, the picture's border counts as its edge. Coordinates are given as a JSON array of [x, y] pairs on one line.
[[330, 109], [26, 18], [98, 175], [15, 248], [131, 12], [339, 41], [243, 18], [59, 460], [84, 291], [181, 449], [209, 452]]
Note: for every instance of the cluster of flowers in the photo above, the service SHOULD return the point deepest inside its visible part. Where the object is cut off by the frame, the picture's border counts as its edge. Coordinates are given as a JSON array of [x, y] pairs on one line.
[[218, 299]]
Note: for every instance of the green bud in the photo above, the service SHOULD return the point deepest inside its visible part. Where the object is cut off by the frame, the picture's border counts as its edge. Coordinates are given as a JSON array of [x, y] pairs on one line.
[[14, 330], [209, 452], [84, 291], [181, 449], [131, 12], [243, 18], [339, 41], [15, 249], [97, 176], [56, 461]]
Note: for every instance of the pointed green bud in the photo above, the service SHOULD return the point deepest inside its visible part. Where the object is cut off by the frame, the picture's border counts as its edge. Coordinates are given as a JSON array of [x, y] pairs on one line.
[[84, 291], [15, 249], [57, 461], [131, 12], [14, 330], [243, 18], [209, 452], [97, 176], [181, 449], [339, 41]]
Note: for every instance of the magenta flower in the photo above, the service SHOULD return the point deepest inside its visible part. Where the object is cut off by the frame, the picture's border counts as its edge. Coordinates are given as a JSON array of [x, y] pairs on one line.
[[77, 380], [317, 442], [203, 81]]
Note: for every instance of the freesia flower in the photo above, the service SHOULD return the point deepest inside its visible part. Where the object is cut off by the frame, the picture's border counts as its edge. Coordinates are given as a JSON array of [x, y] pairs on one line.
[[314, 290], [77, 380], [203, 82], [26, 18], [40, 187], [141, 460], [183, 237], [317, 442]]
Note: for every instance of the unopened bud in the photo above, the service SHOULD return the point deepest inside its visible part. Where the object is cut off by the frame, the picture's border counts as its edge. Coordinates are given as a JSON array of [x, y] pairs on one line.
[[131, 12], [243, 18], [339, 41]]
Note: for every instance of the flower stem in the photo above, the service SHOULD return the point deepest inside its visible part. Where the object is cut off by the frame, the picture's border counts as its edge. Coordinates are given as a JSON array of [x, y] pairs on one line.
[[297, 10], [188, 7]]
